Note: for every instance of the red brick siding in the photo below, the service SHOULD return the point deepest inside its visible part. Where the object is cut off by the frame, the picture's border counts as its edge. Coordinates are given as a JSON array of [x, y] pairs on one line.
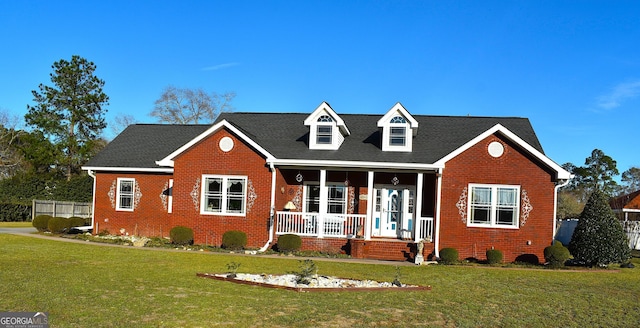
[[149, 218], [514, 167], [207, 158]]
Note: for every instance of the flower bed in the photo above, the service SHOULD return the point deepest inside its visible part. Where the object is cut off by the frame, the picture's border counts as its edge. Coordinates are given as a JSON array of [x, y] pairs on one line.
[[316, 284]]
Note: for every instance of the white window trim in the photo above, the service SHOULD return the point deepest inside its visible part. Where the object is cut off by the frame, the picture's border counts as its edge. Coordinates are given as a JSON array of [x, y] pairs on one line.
[[344, 197], [386, 137], [133, 195], [305, 192], [330, 134], [313, 136], [223, 210], [494, 207]]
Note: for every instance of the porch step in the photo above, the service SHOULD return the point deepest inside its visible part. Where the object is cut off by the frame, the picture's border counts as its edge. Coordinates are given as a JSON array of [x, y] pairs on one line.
[[387, 249]]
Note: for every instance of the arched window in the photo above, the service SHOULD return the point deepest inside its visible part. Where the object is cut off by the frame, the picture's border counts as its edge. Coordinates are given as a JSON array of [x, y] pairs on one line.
[[325, 118], [398, 119]]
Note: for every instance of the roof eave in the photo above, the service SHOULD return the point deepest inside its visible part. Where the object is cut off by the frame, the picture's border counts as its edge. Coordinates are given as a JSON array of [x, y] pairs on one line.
[[128, 169]]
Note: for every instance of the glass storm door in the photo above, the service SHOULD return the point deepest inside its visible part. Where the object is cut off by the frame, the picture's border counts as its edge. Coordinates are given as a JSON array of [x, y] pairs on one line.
[[388, 212]]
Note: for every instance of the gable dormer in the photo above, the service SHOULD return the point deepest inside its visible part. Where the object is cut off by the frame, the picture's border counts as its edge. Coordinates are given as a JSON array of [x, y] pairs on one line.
[[398, 129], [326, 129]]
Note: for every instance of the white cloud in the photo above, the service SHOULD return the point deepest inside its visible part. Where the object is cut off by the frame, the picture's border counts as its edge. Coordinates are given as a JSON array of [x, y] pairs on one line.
[[217, 67], [618, 94]]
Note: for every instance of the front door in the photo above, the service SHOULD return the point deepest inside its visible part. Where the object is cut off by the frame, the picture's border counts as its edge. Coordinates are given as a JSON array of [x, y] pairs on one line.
[[391, 211]]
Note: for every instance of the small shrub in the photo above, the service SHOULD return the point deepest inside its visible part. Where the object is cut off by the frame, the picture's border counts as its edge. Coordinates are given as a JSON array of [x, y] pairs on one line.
[[289, 243], [494, 256], [76, 221], [396, 280], [41, 222], [104, 232], [232, 269], [556, 255], [448, 255], [59, 225], [234, 240], [307, 269], [181, 235]]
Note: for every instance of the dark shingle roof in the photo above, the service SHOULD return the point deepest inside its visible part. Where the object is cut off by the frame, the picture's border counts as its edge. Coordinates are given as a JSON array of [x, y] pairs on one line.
[[286, 137], [141, 145]]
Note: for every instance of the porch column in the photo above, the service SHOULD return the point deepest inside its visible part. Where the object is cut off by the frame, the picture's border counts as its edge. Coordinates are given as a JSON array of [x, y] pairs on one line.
[[370, 203], [418, 210], [436, 229], [322, 212]]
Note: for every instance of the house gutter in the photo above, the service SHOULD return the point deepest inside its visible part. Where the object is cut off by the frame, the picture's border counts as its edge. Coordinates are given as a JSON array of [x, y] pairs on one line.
[[273, 207], [92, 174], [555, 205]]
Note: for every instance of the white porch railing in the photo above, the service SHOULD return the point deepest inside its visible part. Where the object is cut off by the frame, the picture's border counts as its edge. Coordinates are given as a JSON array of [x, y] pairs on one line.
[[338, 225], [632, 229], [424, 229], [309, 224]]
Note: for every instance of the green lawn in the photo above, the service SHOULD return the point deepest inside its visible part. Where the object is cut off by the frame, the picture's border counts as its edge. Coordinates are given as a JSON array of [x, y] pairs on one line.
[[16, 225], [89, 285]]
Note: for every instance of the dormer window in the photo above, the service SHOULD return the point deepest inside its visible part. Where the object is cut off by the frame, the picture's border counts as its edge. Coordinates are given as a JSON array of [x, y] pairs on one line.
[[398, 132], [398, 129], [326, 129]]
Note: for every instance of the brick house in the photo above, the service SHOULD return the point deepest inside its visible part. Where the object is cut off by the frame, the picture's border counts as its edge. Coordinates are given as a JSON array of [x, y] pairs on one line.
[[371, 186]]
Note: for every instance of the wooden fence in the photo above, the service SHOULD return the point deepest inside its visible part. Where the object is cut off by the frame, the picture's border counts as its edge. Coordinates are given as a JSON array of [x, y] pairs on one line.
[[61, 209]]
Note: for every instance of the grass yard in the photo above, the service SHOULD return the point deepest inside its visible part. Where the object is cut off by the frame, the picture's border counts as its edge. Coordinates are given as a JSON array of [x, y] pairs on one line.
[[16, 225], [90, 285]]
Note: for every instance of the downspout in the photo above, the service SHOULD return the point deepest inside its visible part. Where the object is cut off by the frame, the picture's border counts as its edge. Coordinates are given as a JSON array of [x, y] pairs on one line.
[[272, 209], [555, 205], [93, 203], [437, 223]]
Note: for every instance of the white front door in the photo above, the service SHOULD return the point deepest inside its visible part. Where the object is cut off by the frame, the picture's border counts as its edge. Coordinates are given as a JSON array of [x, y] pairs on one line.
[[392, 211]]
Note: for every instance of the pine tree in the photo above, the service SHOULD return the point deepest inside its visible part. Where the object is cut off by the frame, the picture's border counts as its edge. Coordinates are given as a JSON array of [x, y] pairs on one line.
[[599, 238]]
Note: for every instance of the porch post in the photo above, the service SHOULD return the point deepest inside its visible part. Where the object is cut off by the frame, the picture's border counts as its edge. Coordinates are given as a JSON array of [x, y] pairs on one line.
[[370, 203], [322, 212], [436, 230], [418, 209]]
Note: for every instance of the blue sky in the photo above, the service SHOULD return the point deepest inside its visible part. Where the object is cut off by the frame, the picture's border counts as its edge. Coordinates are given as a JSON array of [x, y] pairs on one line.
[[571, 67]]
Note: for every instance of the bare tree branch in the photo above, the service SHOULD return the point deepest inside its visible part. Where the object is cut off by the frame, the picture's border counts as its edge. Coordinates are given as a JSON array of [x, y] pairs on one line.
[[184, 106], [11, 160]]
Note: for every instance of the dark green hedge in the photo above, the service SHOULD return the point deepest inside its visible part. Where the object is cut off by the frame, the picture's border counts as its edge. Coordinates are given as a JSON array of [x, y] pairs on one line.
[[181, 235], [289, 243], [448, 255], [234, 240], [41, 222], [14, 212], [23, 188], [494, 256]]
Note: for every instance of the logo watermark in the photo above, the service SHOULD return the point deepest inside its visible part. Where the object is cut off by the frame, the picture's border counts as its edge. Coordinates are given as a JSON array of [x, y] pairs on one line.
[[24, 320]]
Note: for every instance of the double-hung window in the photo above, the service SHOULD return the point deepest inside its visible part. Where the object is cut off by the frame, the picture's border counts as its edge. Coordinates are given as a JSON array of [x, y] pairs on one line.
[[397, 136], [324, 134], [223, 195], [125, 196], [336, 199], [494, 206]]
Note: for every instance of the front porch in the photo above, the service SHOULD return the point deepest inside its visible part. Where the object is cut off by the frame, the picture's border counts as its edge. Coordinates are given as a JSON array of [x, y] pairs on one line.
[[347, 206], [350, 226]]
